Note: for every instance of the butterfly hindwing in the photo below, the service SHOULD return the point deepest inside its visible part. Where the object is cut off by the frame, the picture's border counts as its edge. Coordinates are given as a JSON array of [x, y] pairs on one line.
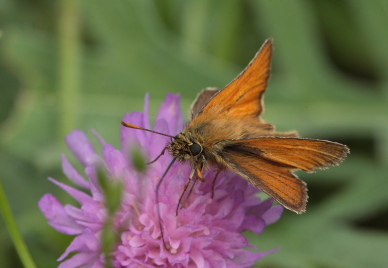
[[268, 162], [274, 179], [202, 100]]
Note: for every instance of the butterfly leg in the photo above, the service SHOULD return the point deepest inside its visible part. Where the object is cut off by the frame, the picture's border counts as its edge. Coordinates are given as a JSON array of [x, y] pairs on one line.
[[156, 159], [214, 182], [199, 177], [184, 191], [191, 190]]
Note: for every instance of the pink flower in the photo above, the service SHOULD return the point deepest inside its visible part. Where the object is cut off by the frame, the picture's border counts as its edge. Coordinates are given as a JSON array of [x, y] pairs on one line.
[[206, 233]]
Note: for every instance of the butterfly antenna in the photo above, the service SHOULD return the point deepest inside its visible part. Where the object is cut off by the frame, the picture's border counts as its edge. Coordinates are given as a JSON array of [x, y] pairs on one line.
[[157, 202], [128, 125]]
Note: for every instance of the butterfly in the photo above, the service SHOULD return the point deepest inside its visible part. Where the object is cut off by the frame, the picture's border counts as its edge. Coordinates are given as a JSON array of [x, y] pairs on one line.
[[226, 131]]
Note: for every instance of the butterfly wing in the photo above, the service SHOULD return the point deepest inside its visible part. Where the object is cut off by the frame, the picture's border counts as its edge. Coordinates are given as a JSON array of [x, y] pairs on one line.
[[268, 163], [202, 100], [305, 154], [243, 97], [275, 180]]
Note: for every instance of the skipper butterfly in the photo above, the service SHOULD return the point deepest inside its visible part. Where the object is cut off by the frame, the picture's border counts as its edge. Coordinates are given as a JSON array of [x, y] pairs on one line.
[[227, 131]]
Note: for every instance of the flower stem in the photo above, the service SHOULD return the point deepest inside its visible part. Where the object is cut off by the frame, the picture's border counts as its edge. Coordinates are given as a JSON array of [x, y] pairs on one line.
[[69, 64], [16, 237]]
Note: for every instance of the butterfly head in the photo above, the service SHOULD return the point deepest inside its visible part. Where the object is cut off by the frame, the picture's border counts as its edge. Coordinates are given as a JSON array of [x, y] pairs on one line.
[[183, 147]]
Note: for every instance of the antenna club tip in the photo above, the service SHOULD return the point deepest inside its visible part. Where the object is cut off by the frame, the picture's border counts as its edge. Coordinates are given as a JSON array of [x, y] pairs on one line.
[[128, 125], [125, 124]]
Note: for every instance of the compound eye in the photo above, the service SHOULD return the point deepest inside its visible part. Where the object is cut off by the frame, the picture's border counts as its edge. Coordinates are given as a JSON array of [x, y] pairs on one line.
[[195, 149]]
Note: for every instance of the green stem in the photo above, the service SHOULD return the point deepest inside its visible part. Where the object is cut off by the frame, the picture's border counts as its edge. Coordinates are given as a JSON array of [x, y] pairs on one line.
[[16, 237], [69, 65]]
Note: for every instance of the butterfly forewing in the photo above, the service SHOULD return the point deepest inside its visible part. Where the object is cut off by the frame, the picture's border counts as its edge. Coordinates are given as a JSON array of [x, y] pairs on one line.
[[234, 112], [243, 97]]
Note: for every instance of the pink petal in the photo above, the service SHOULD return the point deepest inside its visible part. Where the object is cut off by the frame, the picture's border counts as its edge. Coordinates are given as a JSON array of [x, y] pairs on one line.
[[172, 113], [197, 257], [91, 240], [273, 214], [95, 188], [115, 161], [84, 260], [136, 241], [80, 145], [246, 258], [132, 137], [87, 242], [252, 223], [57, 216], [80, 196], [158, 142], [73, 174]]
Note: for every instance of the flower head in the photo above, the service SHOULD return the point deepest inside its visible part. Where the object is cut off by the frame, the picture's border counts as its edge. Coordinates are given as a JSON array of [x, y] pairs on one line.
[[206, 232]]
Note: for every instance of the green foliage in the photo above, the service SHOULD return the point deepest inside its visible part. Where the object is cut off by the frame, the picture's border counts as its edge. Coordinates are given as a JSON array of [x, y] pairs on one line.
[[138, 160], [329, 81]]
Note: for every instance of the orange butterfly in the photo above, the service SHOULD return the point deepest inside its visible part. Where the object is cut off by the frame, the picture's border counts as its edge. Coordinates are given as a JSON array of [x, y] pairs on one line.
[[226, 131]]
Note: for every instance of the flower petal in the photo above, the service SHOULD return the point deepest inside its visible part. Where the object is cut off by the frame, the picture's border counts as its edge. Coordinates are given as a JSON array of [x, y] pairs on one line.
[[158, 142], [87, 242], [171, 112], [115, 161], [246, 258], [77, 194], [57, 216], [73, 174], [84, 260], [134, 137], [197, 257], [80, 145], [91, 240], [273, 214]]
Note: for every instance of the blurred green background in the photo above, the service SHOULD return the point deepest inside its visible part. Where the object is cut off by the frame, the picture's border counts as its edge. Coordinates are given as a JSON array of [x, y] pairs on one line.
[[83, 64]]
